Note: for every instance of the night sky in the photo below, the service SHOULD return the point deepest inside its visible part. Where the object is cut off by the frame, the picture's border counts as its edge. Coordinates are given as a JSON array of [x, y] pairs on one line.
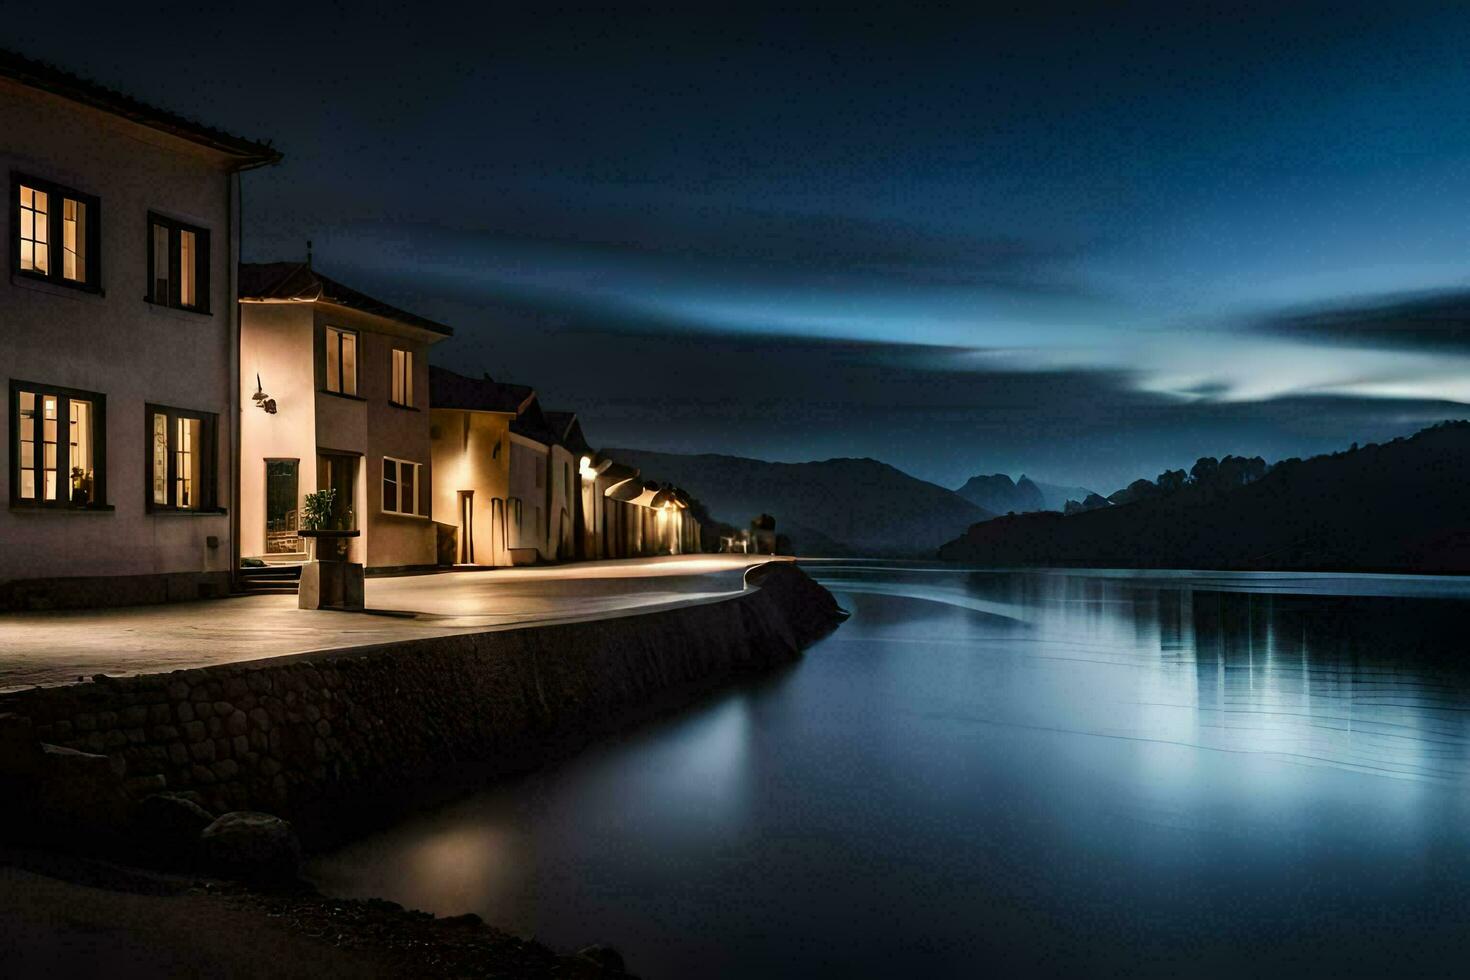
[[1085, 246]]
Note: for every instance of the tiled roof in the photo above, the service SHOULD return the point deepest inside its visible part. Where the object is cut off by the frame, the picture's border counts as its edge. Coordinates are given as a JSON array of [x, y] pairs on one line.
[[49, 78], [450, 390], [299, 281], [569, 429], [532, 424]]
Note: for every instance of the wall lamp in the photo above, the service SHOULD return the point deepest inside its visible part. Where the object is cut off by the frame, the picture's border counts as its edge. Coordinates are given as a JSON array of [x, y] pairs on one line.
[[261, 399]]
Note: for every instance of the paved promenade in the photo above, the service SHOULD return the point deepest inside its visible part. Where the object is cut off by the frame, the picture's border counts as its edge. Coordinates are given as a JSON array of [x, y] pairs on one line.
[[59, 647]]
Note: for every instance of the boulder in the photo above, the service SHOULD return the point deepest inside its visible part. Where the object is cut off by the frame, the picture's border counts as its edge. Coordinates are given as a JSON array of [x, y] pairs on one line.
[[255, 847], [170, 826], [605, 956], [81, 792], [592, 963]]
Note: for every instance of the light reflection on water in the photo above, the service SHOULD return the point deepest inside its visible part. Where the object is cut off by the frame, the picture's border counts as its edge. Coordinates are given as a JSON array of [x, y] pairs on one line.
[[1034, 774]]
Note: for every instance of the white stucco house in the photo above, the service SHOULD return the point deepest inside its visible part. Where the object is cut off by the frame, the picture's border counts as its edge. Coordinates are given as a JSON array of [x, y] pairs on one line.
[[118, 344]]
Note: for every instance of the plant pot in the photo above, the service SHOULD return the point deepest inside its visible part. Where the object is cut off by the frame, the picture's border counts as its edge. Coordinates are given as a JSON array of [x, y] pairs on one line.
[[337, 539]]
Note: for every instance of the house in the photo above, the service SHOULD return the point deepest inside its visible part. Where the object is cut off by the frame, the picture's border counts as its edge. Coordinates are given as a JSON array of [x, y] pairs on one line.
[[633, 517], [538, 488], [335, 389], [568, 528], [470, 444], [118, 344]]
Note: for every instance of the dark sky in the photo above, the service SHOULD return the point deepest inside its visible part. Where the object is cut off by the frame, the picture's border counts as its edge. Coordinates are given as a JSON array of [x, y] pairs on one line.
[[1083, 244]]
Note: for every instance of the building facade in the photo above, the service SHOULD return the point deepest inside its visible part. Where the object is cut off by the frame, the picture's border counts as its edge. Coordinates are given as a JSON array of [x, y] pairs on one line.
[[471, 454], [118, 345], [335, 394]]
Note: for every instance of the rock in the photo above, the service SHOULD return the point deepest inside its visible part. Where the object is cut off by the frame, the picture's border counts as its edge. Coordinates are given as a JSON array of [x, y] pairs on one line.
[[605, 956], [256, 847], [592, 963], [170, 825], [468, 920], [80, 792]]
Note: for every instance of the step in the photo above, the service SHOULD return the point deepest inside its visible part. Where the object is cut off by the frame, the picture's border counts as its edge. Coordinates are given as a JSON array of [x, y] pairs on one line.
[[292, 572]]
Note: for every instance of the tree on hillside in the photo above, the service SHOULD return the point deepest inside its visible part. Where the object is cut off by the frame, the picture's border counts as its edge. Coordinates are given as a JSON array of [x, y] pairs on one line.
[[1172, 481], [1202, 473]]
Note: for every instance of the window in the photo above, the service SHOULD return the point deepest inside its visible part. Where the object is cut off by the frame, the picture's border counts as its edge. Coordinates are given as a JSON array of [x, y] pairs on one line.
[[400, 486], [181, 459], [55, 233], [58, 450], [341, 361], [178, 264], [402, 378]]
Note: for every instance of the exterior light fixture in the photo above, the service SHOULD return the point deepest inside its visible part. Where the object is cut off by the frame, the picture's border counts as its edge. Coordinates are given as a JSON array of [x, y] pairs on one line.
[[265, 402]]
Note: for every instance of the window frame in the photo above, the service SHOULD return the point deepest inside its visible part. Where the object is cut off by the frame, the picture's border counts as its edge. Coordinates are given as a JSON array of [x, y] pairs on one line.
[[407, 376], [201, 264], [64, 398], [55, 236], [327, 331], [208, 454], [418, 475]]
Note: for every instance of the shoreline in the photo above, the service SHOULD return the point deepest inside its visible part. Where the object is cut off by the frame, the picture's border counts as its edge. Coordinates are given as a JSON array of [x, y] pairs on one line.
[[343, 743], [71, 915]]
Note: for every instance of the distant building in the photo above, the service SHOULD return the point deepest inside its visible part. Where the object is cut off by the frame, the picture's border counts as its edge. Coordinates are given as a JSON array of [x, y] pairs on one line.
[[471, 449], [117, 344], [537, 492], [569, 454], [335, 393]]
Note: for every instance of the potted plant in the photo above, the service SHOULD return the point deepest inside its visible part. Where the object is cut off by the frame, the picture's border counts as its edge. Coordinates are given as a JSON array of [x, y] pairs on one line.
[[81, 487], [333, 582]]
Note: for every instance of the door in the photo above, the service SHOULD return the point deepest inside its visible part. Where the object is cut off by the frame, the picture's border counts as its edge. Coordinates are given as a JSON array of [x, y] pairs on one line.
[[281, 506], [339, 472], [467, 527]]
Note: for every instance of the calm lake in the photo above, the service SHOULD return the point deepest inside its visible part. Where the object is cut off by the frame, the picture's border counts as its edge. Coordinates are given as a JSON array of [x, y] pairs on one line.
[[1011, 774]]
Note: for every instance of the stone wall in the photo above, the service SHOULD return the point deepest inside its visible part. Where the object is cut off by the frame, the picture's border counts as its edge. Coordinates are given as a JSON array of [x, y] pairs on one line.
[[306, 736], [96, 591]]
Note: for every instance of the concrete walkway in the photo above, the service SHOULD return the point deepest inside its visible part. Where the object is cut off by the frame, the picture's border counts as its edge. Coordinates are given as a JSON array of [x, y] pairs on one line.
[[61, 647]]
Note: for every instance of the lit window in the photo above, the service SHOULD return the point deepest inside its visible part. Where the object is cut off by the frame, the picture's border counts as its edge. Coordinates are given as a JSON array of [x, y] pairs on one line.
[[178, 264], [34, 223], [57, 445], [188, 256], [74, 240], [341, 361], [400, 486], [160, 459], [186, 465], [46, 214], [402, 388], [181, 459]]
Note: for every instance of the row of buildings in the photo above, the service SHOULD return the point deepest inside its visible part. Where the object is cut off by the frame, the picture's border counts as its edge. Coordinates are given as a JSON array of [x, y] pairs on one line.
[[170, 408]]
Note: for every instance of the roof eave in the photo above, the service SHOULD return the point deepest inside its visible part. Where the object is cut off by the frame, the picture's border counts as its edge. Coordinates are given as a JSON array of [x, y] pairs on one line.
[[245, 154]]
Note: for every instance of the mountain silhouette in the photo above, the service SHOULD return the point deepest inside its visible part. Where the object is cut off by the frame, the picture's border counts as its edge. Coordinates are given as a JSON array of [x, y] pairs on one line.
[[837, 507], [1400, 506]]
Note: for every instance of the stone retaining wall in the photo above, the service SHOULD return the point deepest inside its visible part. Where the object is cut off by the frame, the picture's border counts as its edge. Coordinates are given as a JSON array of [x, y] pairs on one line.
[[303, 736]]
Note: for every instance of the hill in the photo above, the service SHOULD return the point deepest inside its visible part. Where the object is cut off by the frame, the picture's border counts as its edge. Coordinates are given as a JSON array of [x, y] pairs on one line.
[[1400, 506], [842, 507], [1000, 495], [1054, 496]]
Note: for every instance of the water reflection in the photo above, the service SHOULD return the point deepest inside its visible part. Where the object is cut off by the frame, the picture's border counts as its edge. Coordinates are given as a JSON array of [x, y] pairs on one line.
[[1024, 774]]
